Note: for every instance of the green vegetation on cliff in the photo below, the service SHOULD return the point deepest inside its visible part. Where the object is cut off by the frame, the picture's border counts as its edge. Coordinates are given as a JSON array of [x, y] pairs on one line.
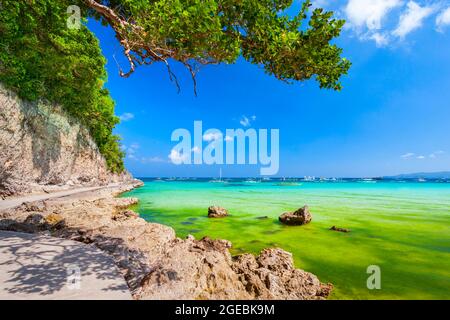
[[41, 58]]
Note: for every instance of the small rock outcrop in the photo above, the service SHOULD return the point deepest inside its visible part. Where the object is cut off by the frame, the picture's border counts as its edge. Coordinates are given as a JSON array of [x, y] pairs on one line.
[[334, 228], [296, 218], [217, 212]]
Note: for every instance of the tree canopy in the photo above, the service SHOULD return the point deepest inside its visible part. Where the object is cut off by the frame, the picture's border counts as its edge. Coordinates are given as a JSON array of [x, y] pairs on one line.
[[201, 32], [41, 58]]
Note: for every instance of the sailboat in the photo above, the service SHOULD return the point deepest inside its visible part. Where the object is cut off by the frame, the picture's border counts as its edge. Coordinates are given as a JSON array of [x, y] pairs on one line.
[[220, 177]]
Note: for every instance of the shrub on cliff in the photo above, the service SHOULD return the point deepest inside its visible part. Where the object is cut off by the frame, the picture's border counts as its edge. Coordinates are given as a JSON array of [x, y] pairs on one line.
[[41, 58]]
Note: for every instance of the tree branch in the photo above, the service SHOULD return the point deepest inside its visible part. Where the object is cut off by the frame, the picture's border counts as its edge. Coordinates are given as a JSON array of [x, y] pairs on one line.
[[135, 48]]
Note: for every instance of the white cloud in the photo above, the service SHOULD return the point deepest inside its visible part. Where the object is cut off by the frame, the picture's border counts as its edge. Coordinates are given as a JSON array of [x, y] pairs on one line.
[[320, 3], [132, 153], [244, 121], [134, 146], [411, 155], [247, 121], [369, 13], [196, 149], [212, 136], [436, 153], [374, 19], [131, 150], [380, 39], [407, 155], [443, 19], [127, 116], [176, 157], [145, 160], [412, 19]]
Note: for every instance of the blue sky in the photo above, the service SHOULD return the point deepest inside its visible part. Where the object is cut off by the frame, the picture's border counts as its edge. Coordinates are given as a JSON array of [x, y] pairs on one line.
[[393, 115]]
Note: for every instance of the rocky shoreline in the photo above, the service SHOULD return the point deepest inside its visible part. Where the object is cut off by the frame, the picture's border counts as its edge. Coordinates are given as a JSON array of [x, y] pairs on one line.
[[154, 262]]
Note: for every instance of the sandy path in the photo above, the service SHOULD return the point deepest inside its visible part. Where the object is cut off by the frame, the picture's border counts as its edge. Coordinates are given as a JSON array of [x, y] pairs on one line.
[[42, 267], [15, 202]]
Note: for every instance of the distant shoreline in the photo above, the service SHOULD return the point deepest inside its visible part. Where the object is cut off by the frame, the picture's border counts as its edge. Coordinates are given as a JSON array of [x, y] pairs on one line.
[[300, 179]]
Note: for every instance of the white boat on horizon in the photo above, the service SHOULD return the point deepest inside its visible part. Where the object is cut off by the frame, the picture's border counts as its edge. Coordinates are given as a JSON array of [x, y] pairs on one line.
[[218, 180], [368, 180]]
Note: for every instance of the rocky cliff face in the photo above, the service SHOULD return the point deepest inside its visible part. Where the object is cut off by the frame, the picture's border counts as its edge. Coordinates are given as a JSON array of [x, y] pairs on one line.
[[42, 149]]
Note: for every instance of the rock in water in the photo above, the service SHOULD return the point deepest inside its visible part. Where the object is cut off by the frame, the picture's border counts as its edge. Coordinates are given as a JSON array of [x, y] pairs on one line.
[[296, 218], [334, 228], [217, 212]]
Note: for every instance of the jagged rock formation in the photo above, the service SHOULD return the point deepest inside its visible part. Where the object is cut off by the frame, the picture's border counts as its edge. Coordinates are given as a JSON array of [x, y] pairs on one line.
[[42, 149], [217, 212], [296, 218]]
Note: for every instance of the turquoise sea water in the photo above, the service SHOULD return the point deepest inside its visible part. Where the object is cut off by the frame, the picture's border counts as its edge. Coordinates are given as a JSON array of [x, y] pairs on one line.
[[402, 227]]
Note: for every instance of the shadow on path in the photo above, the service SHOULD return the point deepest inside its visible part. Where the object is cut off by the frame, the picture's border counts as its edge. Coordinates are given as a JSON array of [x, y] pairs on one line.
[[37, 266]]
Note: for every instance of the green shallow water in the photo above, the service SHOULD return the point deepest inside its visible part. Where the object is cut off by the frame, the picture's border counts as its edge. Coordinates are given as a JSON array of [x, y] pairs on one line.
[[404, 228]]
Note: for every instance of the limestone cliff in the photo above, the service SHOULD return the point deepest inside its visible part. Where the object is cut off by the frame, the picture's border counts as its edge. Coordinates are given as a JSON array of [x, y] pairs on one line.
[[42, 149]]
